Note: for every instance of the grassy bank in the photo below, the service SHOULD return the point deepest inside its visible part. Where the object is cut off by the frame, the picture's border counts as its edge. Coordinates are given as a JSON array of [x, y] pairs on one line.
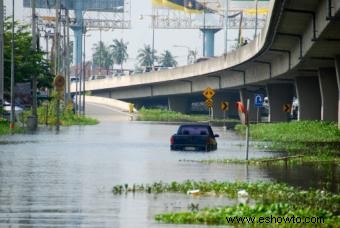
[[305, 137], [166, 115], [171, 116], [47, 114], [5, 130], [270, 199]]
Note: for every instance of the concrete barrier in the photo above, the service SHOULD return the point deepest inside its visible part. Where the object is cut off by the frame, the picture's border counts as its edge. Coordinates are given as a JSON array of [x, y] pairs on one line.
[[117, 104]]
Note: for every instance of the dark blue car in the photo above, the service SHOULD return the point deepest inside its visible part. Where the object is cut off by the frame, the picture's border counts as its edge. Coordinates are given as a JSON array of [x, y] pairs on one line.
[[194, 137]]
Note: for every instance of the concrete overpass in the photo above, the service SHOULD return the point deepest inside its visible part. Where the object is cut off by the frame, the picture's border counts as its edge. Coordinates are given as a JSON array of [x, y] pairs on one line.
[[296, 54]]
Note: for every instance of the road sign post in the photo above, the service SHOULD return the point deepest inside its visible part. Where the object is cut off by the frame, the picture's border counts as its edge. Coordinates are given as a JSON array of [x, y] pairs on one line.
[[209, 93], [258, 104], [247, 129], [225, 108]]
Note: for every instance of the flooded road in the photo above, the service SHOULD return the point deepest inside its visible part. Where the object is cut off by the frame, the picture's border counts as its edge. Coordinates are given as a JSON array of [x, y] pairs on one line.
[[65, 179]]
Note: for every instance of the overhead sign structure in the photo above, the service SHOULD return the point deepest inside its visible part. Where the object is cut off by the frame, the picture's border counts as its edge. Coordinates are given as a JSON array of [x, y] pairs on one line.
[[209, 103], [208, 93], [287, 107], [259, 100], [88, 5], [225, 106]]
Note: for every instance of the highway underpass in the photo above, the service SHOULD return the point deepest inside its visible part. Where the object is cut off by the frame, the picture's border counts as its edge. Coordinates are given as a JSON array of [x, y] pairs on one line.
[[297, 54]]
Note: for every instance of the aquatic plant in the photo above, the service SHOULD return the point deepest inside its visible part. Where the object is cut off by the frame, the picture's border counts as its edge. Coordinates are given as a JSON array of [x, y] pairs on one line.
[[219, 215], [263, 192]]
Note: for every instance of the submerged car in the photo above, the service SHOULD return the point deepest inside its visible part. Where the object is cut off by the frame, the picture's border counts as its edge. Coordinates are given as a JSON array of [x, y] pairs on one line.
[[194, 137]]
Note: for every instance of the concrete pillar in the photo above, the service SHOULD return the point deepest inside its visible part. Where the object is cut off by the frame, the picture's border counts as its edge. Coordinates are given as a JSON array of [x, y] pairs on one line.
[[329, 94], [181, 103], [337, 68], [279, 95], [244, 95], [209, 41], [308, 93], [229, 96]]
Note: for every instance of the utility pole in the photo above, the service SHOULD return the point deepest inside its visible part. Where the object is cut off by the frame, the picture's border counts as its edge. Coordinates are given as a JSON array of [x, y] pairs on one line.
[[68, 97], [1, 53], [56, 59], [100, 51], [226, 24], [33, 119], [256, 17], [153, 40], [12, 117], [204, 5], [84, 68], [64, 54]]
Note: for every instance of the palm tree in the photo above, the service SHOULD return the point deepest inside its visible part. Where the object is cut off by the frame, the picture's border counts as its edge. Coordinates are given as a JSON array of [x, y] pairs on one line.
[[102, 57], [167, 59], [146, 56], [119, 52]]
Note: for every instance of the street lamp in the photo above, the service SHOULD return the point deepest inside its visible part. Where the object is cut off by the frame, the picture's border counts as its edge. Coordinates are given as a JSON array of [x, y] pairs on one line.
[[141, 17]]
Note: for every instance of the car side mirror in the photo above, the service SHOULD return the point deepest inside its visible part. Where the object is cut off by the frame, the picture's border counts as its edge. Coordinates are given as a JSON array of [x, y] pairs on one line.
[[216, 136]]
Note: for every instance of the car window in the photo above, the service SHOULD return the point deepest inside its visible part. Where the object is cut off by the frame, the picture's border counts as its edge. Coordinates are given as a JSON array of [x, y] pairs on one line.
[[193, 130]]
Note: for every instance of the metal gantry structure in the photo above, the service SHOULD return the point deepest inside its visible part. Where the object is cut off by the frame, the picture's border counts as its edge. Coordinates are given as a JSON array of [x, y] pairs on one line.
[[215, 16], [70, 14]]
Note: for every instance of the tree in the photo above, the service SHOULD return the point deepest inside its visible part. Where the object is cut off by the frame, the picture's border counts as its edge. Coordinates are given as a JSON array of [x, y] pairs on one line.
[[102, 56], [146, 56], [167, 60], [27, 62], [119, 52]]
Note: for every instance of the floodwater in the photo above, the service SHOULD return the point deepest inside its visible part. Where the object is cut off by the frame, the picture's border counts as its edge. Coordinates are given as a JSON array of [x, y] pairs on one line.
[[64, 179]]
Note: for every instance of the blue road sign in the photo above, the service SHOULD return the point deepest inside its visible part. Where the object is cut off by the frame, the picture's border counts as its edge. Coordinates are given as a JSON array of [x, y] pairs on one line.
[[259, 100]]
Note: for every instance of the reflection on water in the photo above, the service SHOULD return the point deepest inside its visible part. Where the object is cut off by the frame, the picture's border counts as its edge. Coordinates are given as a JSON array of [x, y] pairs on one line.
[[66, 179], [309, 175]]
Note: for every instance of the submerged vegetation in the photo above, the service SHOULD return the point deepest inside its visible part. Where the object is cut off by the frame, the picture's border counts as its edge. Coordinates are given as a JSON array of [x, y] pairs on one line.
[[274, 199], [251, 214], [290, 160]]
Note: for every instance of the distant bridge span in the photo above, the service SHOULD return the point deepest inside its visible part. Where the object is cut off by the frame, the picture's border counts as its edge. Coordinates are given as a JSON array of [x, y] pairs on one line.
[[296, 54]]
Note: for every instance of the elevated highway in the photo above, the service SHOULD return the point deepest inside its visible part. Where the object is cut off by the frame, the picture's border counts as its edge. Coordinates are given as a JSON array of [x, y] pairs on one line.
[[296, 54]]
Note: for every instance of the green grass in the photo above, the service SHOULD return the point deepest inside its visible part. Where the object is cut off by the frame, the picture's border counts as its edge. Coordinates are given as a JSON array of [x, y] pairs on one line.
[[313, 138], [166, 115], [5, 130], [298, 131], [67, 117]]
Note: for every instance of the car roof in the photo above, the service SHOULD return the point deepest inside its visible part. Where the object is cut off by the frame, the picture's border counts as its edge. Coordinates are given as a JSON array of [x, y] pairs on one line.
[[194, 125]]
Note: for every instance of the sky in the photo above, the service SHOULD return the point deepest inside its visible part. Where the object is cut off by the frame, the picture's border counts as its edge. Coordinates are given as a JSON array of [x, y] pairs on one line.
[[141, 34]]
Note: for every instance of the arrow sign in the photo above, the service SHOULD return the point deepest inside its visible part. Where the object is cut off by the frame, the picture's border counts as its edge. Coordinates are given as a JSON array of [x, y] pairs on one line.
[[287, 107], [224, 106], [258, 100], [209, 103], [208, 93]]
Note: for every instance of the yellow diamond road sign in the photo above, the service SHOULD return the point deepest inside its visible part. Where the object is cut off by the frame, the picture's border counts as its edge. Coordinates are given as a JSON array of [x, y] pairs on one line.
[[224, 106], [208, 93], [209, 103]]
